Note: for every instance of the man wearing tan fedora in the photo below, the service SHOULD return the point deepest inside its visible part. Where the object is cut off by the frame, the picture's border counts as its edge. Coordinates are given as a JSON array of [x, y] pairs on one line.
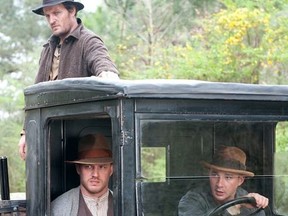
[[95, 167], [71, 51], [227, 172]]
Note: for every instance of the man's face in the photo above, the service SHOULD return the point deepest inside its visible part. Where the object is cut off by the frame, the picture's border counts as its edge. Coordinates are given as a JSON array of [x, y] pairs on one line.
[[94, 178], [61, 21], [224, 185]]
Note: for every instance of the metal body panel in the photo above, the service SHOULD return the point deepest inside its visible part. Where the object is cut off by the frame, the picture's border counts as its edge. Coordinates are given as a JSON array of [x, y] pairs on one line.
[[75, 90]]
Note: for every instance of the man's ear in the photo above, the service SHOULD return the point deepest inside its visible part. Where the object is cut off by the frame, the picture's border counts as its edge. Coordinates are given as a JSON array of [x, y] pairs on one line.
[[112, 170], [77, 166], [241, 180], [75, 11]]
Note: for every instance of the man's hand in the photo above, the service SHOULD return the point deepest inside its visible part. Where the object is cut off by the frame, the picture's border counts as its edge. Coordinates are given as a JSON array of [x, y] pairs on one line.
[[22, 147], [261, 201], [108, 75]]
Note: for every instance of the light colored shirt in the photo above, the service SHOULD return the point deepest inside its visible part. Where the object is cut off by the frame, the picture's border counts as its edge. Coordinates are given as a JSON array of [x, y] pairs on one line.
[[55, 64], [98, 206]]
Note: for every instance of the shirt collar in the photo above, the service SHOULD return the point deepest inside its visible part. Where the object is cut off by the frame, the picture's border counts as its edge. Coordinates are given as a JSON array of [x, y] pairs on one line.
[[103, 198]]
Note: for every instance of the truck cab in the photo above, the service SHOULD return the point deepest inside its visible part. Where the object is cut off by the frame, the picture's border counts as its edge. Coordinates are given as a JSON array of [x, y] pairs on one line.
[[160, 131]]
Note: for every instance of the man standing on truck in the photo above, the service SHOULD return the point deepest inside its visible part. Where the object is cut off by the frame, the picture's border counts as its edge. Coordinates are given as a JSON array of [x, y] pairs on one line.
[[227, 172], [71, 51], [94, 166]]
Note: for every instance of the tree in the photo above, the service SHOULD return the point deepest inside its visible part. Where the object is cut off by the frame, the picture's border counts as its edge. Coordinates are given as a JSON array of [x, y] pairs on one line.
[[19, 34], [146, 27], [11, 122]]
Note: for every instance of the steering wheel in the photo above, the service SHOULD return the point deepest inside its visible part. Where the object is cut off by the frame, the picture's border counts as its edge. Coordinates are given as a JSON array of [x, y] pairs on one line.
[[223, 207]]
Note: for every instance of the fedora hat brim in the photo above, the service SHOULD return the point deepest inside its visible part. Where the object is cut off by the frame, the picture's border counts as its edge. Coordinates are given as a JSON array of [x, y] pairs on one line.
[[244, 173], [39, 9], [92, 161]]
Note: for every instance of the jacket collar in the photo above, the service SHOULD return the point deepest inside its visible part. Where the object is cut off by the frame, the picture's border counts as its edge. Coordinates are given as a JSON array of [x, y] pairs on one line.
[[73, 35]]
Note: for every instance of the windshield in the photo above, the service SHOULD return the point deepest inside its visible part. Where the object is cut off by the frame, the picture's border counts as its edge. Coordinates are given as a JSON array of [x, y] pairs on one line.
[[172, 154]]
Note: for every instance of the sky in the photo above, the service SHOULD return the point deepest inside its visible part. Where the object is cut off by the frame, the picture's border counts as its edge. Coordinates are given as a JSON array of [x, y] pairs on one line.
[[91, 5]]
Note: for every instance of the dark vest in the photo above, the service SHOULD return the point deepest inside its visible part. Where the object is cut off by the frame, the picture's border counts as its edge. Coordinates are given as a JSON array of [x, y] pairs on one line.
[[84, 211]]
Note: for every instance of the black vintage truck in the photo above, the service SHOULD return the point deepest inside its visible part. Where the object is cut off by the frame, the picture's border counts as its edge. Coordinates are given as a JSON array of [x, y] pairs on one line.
[[160, 131]]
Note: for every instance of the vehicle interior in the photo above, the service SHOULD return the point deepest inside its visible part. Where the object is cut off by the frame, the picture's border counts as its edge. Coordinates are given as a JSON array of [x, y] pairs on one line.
[[169, 158], [64, 136]]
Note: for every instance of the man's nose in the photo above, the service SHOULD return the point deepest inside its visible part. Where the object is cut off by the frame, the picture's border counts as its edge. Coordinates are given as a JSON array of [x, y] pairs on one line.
[[51, 19], [95, 171], [220, 180]]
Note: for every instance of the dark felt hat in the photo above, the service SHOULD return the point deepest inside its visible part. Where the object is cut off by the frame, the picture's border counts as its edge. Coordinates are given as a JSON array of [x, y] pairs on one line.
[[229, 159], [46, 3], [93, 149]]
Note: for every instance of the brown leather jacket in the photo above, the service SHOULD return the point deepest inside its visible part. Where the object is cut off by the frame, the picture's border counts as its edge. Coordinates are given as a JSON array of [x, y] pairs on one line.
[[83, 54]]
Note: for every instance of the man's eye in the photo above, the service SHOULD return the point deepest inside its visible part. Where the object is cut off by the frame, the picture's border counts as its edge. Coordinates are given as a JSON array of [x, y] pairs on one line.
[[229, 177], [88, 167], [214, 174]]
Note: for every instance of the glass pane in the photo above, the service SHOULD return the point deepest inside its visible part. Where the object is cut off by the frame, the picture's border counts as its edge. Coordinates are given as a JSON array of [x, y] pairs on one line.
[[153, 164], [281, 169], [172, 153]]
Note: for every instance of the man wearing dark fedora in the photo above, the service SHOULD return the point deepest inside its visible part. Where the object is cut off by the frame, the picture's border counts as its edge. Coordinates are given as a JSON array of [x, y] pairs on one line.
[[95, 167], [71, 51], [227, 172]]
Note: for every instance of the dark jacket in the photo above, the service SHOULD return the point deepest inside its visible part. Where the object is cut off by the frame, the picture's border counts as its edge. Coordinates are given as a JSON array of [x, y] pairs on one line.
[[200, 202], [83, 54]]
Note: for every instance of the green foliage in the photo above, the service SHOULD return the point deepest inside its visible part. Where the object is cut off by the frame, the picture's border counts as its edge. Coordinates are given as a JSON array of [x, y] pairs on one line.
[[281, 183], [231, 45], [219, 45], [11, 123], [21, 38], [280, 167], [267, 5], [276, 63], [282, 137], [153, 164], [9, 137], [144, 26], [17, 36], [235, 39]]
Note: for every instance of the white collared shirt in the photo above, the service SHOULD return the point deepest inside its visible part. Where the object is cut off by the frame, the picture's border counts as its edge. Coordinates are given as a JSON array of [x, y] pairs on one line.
[[97, 206]]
